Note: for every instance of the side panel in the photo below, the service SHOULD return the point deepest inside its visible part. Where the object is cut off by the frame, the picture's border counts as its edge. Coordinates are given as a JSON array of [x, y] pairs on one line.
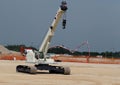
[[30, 57]]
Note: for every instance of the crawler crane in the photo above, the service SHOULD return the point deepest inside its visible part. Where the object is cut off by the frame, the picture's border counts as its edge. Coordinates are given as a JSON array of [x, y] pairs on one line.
[[39, 58]]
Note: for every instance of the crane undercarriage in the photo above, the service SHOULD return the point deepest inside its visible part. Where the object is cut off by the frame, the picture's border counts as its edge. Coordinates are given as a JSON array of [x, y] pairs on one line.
[[52, 69]]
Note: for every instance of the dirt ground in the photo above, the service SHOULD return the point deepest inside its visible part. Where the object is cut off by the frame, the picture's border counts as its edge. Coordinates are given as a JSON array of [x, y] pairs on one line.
[[81, 74]]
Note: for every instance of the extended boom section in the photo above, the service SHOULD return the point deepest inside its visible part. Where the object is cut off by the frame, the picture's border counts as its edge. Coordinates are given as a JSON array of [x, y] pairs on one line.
[[52, 28]]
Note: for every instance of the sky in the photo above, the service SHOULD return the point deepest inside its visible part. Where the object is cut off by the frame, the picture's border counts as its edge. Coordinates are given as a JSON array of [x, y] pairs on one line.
[[95, 21]]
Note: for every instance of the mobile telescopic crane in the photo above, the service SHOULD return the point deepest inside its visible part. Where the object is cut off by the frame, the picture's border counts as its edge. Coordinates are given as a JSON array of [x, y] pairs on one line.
[[39, 58]]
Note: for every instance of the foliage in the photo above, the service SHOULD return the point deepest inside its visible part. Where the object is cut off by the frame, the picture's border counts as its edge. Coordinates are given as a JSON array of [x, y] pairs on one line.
[[13, 47], [17, 47], [61, 50]]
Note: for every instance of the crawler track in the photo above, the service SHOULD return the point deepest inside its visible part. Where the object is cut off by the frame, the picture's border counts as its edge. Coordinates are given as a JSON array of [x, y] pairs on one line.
[[51, 69], [26, 69]]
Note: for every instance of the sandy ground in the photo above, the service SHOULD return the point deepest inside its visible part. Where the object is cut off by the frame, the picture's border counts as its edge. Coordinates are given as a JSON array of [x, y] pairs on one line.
[[81, 74]]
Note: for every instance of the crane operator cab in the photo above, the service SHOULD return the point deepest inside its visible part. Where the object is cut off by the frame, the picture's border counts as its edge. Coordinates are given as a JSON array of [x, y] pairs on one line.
[[33, 56]]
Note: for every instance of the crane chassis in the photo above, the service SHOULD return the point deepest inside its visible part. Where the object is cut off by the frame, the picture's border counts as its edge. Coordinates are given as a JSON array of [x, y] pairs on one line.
[[41, 62]]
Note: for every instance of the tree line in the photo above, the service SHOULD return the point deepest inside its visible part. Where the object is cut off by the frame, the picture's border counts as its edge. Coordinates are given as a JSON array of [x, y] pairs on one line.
[[61, 50]]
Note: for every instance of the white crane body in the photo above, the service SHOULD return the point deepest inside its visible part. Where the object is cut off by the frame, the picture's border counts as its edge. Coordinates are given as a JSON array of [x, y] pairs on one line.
[[39, 58]]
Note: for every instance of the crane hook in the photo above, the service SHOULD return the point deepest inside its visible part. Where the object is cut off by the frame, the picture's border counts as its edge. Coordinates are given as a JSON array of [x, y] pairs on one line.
[[64, 23]]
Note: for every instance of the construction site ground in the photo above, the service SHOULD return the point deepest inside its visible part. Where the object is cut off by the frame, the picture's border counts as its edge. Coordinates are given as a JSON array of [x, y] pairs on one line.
[[81, 74]]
